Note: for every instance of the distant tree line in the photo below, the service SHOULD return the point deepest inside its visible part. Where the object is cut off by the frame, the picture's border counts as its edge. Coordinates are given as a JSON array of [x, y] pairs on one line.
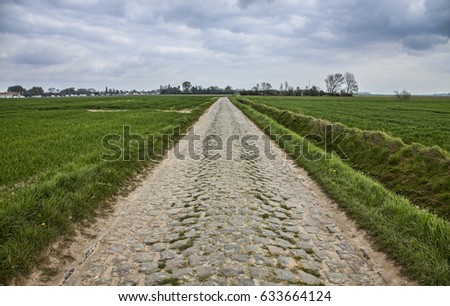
[[266, 89], [33, 91], [336, 85], [188, 88], [38, 91]]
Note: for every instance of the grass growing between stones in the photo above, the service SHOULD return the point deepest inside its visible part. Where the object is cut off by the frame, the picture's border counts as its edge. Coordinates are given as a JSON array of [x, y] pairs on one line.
[[51, 171], [187, 245], [169, 281], [204, 278], [418, 240]]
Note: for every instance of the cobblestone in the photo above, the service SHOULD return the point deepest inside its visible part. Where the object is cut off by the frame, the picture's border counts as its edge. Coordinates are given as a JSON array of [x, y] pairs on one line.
[[148, 268], [308, 279], [235, 221], [284, 275]]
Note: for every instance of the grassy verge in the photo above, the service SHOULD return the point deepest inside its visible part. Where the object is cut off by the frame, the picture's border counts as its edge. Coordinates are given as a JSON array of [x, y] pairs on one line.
[[67, 181], [418, 240], [422, 174]]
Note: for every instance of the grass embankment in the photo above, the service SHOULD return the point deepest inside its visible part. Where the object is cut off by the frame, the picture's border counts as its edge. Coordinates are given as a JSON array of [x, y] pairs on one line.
[[51, 171], [422, 174], [418, 240]]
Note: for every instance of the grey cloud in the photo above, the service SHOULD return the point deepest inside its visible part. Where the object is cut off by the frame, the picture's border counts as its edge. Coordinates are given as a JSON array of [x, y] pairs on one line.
[[86, 8], [38, 57], [424, 42], [246, 3], [110, 38], [340, 23], [33, 59], [358, 22], [43, 52], [438, 16]]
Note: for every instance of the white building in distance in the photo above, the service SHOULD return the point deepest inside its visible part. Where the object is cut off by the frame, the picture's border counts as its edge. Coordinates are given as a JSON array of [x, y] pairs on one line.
[[10, 95]]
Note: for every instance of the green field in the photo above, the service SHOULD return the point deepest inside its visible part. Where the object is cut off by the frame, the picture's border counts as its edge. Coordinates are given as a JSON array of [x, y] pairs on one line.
[[424, 120], [51, 171]]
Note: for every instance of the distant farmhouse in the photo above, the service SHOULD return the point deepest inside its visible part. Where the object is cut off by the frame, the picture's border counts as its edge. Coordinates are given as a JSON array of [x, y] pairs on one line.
[[10, 95]]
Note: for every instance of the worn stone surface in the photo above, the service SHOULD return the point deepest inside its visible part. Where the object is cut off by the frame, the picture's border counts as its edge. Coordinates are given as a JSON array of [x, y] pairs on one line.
[[230, 219], [308, 279]]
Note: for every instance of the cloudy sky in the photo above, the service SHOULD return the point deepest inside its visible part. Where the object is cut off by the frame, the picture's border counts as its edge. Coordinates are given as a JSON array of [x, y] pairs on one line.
[[136, 44]]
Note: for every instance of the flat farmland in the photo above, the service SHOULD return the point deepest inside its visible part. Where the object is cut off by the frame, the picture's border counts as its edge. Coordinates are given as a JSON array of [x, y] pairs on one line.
[[424, 120], [51, 170]]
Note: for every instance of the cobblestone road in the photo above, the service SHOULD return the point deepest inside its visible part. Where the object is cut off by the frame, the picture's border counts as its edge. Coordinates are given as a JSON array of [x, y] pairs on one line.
[[242, 221]]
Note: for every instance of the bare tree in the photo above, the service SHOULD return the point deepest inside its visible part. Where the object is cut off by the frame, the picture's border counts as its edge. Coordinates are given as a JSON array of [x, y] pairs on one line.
[[263, 86], [351, 84], [334, 83], [404, 95], [186, 86]]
